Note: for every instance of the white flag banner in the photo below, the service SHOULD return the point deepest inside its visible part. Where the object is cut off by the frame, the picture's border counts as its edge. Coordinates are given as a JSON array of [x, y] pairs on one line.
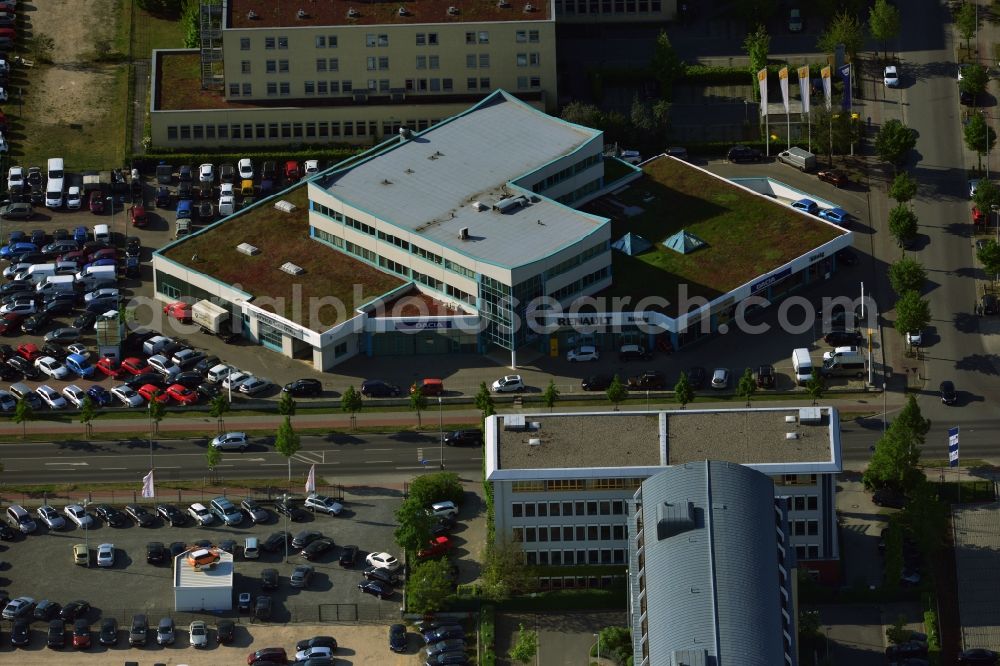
[[311, 480], [826, 73], [783, 82], [147, 485], [804, 87], [762, 79]]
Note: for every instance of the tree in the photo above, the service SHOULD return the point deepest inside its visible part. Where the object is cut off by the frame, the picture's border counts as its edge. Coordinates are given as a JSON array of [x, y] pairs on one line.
[[437, 487], [504, 572], [87, 415], [907, 275], [429, 585], [894, 142], [218, 409], [883, 23], [414, 524], [974, 80], [911, 422], [979, 137], [903, 224], [893, 463], [351, 402], [967, 22], [757, 46], [903, 188], [815, 386], [912, 313], [418, 402], [484, 401], [587, 115], [926, 518], [747, 385], [156, 412], [987, 195], [617, 393], [833, 131], [665, 65], [286, 404], [287, 442], [525, 646], [41, 47], [23, 413], [615, 642], [989, 256], [843, 29], [897, 632], [683, 392], [550, 395], [213, 456]]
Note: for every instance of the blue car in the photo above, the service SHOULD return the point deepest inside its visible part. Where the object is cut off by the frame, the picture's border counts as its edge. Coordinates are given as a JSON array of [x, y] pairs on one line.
[[100, 396], [14, 249], [80, 365], [15, 236], [838, 216], [806, 205], [80, 235]]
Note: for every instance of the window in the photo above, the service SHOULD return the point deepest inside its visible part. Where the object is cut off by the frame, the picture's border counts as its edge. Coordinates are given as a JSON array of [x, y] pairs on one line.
[[271, 66], [581, 508], [435, 85], [529, 510], [383, 86], [813, 552], [331, 41], [812, 502], [321, 88], [556, 560], [286, 130], [555, 534], [567, 533], [522, 59], [543, 533], [244, 43], [812, 527], [522, 82], [421, 62], [383, 62], [283, 66], [372, 40], [543, 510], [261, 130], [605, 506], [432, 38], [421, 38], [530, 535], [334, 87], [470, 38], [618, 532], [533, 36], [282, 42], [605, 532], [334, 64], [581, 532], [324, 130], [272, 89], [309, 87], [517, 534], [470, 60], [247, 89], [470, 83], [340, 350], [484, 83], [534, 59], [236, 131], [234, 90], [269, 43], [591, 508], [244, 66], [209, 131], [272, 130], [347, 86], [435, 62], [285, 88], [185, 131], [521, 36], [320, 64], [567, 509], [554, 508], [372, 85], [799, 503], [516, 510], [446, 85], [172, 132], [536, 82], [223, 131], [617, 507], [372, 63], [484, 37], [321, 41], [383, 40], [484, 60]]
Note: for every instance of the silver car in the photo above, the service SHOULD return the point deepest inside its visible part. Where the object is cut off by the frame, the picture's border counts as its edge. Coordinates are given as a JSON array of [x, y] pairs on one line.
[[231, 441]]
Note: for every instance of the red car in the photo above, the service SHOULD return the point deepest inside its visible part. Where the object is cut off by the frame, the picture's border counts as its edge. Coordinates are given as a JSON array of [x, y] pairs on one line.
[[151, 393], [109, 366], [182, 394], [179, 310], [135, 366], [106, 253], [96, 202], [10, 323], [836, 178], [978, 216], [292, 170], [76, 255], [28, 352], [438, 546], [137, 214], [81, 634]]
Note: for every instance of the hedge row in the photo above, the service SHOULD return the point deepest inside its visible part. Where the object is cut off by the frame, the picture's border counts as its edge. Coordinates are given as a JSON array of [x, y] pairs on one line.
[[325, 154], [721, 75]]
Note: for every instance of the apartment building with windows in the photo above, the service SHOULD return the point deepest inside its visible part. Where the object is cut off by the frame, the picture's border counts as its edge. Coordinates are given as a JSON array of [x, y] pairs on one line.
[[346, 72], [615, 11], [711, 576], [564, 485]]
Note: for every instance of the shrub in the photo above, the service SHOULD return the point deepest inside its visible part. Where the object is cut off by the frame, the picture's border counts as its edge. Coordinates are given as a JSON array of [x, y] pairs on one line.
[[438, 487]]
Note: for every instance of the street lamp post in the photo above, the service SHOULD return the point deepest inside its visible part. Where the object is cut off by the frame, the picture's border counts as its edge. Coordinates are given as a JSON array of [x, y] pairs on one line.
[[149, 412], [86, 530], [995, 209], [441, 431], [285, 499], [598, 637]]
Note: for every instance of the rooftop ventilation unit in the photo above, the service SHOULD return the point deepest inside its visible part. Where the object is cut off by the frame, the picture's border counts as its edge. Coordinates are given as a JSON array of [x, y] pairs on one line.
[[453, 11], [534, 441], [405, 133], [284, 206], [479, 206], [503, 4], [353, 13], [789, 419], [248, 249], [791, 435], [292, 269], [810, 415], [510, 203], [402, 11], [514, 422], [528, 8], [463, 233], [301, 14]]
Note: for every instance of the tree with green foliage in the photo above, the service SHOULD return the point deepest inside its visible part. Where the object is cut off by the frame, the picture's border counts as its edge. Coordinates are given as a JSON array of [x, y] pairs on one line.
[[23, 412], [429, 585], [213, 456], [987, 195], [894, 462], [580, 113], [617, 393], [550, 395], [967, 22], [286, 404], [437, 487], [913, 313], [190, 20], [504, 573], [525, 646], [975, 78], [894, 142], [903, 224], [414, 524], [683, 391], [87, 415], [883, 23], [989, 256], [484, 401], [979, 137], [418, 402], [41, 47], [815, 386], [926, 519], [157, 411], [903, 188], [352, 403], [907, 275], [615, 643], [757, 46], [911, 422], [898, 632], [287, 442], [843, 29], [833, 131], [747, 385], [217, 410], [666, 66]]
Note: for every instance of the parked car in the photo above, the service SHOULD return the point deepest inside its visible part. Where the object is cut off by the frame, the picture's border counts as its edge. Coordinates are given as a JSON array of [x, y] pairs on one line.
[[743, 154], [583, 353], [834, 177], [323, 504], [948, 394], [890, 76], [596, 383], [377, 388], [304, 387], [765, 376], [473, 437], [508, 384]]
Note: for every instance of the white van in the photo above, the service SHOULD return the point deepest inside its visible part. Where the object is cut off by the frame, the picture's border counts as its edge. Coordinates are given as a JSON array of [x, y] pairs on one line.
[[56, 169], [844, 365], [54, 185], [802, 160], [102, 234], [803, 365], [55, 284], [37, 273]]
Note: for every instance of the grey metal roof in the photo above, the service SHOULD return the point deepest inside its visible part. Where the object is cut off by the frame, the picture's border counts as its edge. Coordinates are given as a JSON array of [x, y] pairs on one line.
[[711, 567], [427, 185]]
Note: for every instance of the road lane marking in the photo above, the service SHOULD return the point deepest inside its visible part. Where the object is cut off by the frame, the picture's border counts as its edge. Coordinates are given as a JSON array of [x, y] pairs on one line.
[[370, 450], [109, 469], [67, 463], [378, 462]]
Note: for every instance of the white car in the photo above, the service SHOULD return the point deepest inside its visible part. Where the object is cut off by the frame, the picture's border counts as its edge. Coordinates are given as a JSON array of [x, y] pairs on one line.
[[74, 198], [891, 77], [206, 174], [383, 561], [79, 348], [18, 607], [245, 167], [323, 504], [915, 338], [74, 395], [51, 397], [79, 517], [720, 378], [106, 292], [226, 190], [201, 515], [973, 184], [311, 167], [198, 634], [254, 385], [127, 396], [583, 353], [236, 379], [155, 344], [15, 177], [840, 350], [14, 269], [164, 366], [106, 555], [318, 651], [227, 205], [446, 508], [219, 372], [19, 307], [51, 367], [508, 384], [230, 441], [51, 517]]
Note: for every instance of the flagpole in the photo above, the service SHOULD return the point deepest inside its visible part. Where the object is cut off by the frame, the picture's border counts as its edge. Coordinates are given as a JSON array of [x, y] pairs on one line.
[[850, 117]]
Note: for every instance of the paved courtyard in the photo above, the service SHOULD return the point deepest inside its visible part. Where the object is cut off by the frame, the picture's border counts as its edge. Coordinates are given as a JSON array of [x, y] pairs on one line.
[[977, 559]]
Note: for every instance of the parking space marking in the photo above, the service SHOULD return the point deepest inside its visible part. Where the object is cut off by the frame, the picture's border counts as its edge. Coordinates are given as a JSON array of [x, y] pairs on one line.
[[67, 463], [109, 469], [380, 462]]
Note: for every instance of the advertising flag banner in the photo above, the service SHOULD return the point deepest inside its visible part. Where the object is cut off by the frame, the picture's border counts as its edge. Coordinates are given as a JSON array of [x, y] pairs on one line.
[[845, 75], [147, 485], [762, 79], [953, 447], [783, 80], [804, 88], [311, 480], [826, 74]]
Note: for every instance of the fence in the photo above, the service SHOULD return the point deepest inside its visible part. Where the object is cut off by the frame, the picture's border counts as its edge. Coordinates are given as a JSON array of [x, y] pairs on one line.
[[210, 489]]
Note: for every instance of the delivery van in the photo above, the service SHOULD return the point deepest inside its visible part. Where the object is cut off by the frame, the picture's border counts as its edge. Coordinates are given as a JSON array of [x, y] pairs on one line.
[[802, 364]]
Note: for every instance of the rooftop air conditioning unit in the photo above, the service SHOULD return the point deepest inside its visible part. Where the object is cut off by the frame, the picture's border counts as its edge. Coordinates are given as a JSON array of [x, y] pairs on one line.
[[810, 415], [453, 11], [292, 269], [534, 441], [301, 14], [402, 11], [285, 206], [479, 206], [353, 13], [248, 249], [405, 133], [463, 233], [528, 8], [503, 4]]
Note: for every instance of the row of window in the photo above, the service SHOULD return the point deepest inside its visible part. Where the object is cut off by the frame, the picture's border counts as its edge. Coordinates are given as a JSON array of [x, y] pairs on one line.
[[804, 503], [807, 552], [580, 285], [804, 527], [567, 173], [568, 533], [588, 188], [574, 508], [381, 40], [311, 88], [563, 485], [573, 262], [564, 557], [319, 130], [608, 6]]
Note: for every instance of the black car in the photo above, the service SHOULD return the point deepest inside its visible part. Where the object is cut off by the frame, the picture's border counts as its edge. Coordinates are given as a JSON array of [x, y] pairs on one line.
[[133, 268], [154, 378], [171, 515], [443, 526], [696, 377], [967, 98], [262, 609], [988, 304], [189, 379], [464, 438], [376, 388], [289, 508], [381, 575], [176, 548], [140, 515], [348, 556], [85, 321], [47, 610], [978, 656], [765, 376], [843, 338], [276, 541], [24, 367], [208, 391], [376, 588], [190, 362], [316, 641], [162, 199], [397, 638], [75, 609], [596, 383], [111, 515], [20, 632], [132, 346], [651, 380], [204, 365], [60, 234], [55, 351], [948, 394], [269, 579], [109, 631], [304, 387], [743, 154], [133, 246], [36, 323], [37, 237], [15, 286], [316, 548], [56, 637], [633, 353], [155, 552], [305, 537], [444, 633], [225, 631], [889, 498], [906, 650]]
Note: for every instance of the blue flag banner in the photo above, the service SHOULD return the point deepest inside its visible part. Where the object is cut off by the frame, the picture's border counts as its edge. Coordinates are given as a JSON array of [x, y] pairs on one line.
[[953, 447], [845, 75]]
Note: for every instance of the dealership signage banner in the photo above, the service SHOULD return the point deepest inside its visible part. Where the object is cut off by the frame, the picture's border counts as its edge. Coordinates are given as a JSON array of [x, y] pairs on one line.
[[826, 73], [804, 87], [421, 325], [953, 447], [770, 279]]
